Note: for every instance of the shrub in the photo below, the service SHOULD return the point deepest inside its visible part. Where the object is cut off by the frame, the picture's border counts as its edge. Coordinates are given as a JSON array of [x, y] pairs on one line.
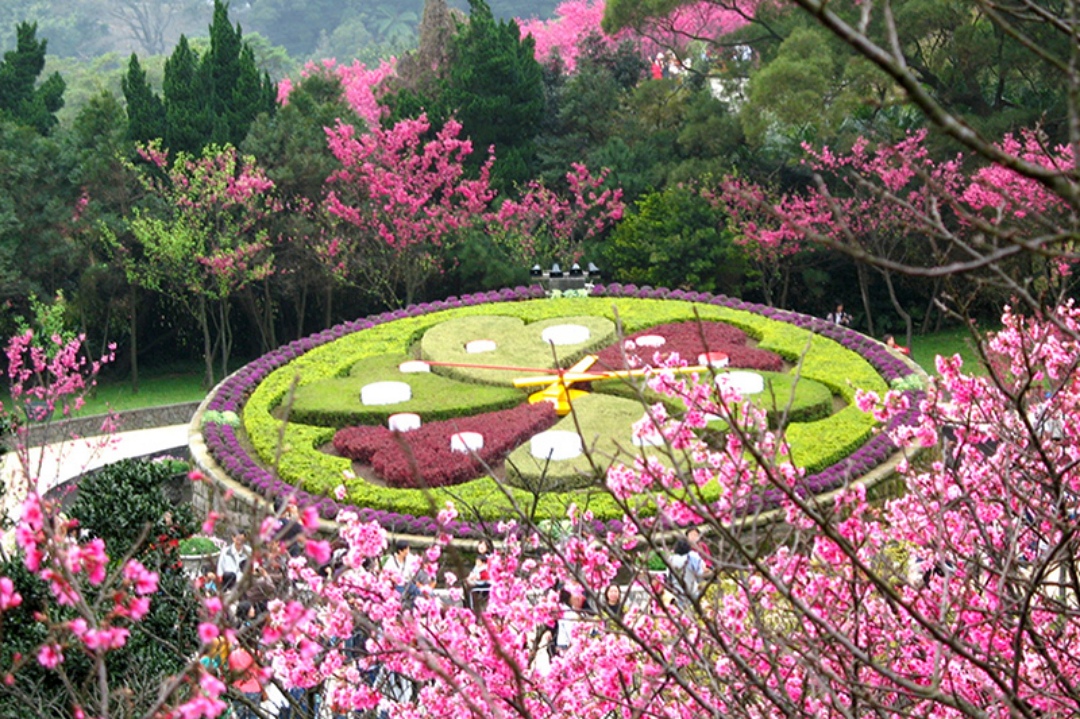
[[423, 457]]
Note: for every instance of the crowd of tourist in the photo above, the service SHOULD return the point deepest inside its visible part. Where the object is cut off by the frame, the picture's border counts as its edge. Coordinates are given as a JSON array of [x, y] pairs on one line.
[[250, 582]]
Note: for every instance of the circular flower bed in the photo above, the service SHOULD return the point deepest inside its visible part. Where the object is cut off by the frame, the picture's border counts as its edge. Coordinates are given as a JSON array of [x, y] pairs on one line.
[[257, 390]]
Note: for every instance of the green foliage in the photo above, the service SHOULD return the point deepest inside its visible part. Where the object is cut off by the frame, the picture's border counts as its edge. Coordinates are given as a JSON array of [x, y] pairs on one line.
[[817, 445], [303, 464], [517, 345], [808, 400], [48, 320], [21, 99], [37, 253], [676, 238], [336, 403], [188, 121], [911, 381], [213, 416], [160, 645], [137, 486], [215, 97], [197, 546], [145, 111], [297, 26], [495, 89], [476, 262]]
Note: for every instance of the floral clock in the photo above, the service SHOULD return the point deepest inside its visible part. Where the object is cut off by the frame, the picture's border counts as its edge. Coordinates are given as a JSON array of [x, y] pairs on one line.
[[469, 401]]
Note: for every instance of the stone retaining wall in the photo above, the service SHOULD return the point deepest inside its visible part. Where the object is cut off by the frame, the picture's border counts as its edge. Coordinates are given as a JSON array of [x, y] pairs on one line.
[[147, 418]]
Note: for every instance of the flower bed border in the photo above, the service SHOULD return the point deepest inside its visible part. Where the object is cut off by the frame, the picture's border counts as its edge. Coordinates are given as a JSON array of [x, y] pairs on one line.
[[226, 449]]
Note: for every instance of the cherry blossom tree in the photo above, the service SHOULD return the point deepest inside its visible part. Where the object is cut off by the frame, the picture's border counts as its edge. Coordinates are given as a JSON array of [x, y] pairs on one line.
[[398, 198], [203, 242], [362, 87], [774, 250], [955, 598], [575, 20], [542, 225]]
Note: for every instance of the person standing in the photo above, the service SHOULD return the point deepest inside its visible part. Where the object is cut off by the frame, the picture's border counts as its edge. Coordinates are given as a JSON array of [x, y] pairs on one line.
[[693, 536], [838, 316], [657, 68], [479, 580], [399, 566], [233, 560], [687, 571], [890, 342], [246, 673]]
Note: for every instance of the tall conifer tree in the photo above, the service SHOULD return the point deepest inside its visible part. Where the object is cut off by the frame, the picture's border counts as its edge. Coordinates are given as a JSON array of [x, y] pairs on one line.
[[20, 100], [495, 89], [145, 111], [187, 118]]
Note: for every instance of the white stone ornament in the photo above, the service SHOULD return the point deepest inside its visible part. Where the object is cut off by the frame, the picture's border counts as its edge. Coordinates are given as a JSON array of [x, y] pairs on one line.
[[556, 445], [565, 335], [413, 367], [380, 393], [404, 422], [653, 341], [742, 382], [479, 346], [713, 359], [466, 442]]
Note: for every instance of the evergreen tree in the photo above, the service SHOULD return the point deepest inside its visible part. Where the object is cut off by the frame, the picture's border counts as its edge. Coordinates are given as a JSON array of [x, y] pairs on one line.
[[188, 121], [145, 111], [496, 90], [20, 100], [215, 98]]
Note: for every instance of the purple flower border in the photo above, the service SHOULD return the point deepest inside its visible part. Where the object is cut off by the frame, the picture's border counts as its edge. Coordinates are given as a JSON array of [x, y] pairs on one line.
[[225, 447]]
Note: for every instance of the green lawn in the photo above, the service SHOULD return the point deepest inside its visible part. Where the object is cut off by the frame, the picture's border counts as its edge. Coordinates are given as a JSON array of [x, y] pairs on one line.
[[155, 389], [926, 348]]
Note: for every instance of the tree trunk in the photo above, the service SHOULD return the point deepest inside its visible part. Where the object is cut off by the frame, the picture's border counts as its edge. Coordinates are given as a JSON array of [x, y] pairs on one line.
[[767, 276], [785, 284], [208, 348], [301, 310], [864, 292], [329, 305], [908, 325], [133, 330], [268, 316], [225, 335], [930, 307]]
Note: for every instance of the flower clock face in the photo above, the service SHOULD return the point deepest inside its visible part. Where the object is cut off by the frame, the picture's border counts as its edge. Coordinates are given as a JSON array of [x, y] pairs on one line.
[[527, 402]]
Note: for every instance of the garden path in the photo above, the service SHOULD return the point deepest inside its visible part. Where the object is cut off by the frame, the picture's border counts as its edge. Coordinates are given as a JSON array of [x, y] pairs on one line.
[[57, 463]]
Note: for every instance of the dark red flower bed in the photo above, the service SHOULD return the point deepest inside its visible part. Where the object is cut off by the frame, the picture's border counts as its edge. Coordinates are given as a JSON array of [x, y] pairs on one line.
[[690, 339], [423, 458]]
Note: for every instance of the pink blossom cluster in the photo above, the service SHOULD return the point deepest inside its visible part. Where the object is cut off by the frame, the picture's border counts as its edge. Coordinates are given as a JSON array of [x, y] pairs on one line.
[[401, 191], [546, 224], [954, 598], [575, 20], [362, 87], [1014, 195]]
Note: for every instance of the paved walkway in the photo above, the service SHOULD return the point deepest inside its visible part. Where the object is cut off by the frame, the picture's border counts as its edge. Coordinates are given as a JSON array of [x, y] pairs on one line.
[[54, 464]]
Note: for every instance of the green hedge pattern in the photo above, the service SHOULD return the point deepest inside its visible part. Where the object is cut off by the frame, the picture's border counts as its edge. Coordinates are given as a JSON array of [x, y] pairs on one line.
[[814, 445]]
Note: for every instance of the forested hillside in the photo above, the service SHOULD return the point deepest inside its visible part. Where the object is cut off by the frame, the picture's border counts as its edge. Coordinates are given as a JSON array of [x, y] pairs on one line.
[[215, 180]]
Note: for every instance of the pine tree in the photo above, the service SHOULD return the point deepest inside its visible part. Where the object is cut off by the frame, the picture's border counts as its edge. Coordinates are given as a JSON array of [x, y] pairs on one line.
[[145, 111], [20, 100], [188, 121], [495, 89], [235, 90]]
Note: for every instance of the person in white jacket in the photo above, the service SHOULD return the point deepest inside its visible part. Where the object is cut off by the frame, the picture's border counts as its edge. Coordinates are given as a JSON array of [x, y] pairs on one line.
[[232, 561], [687, 571]]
